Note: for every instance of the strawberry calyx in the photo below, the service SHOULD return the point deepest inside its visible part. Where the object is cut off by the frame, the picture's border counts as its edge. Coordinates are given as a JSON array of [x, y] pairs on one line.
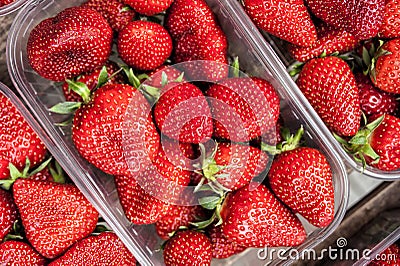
[[290, 142], [16, 232], [370, 57]]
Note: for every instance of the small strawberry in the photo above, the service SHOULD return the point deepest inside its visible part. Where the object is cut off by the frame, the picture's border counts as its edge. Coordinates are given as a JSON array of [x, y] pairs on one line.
[[389, 257], [188, 248], [144, 45], [75, 41], [117, 14], [288, 20], [5, 2], [149, 7], [100, 250], [14, 252], [54, 215], [329, 85], [221, 246], [243, 108], [8, 211], [362, 18], [374, 100], [330, 40], [253, 217], [18, 141], [182, 113], [391, 20]]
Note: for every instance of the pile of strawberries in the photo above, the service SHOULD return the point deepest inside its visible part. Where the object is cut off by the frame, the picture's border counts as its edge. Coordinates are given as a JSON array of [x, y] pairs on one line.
[[187, 138], [350, 71]]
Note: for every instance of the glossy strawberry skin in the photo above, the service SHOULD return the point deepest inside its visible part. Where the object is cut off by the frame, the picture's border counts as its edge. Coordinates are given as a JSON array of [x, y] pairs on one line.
[[104, 117], [222, 247], [103, 249], [329, 85], [302, 179], [391, 20], [14, 252], [188, 248], [389, 257], [243, 108], [253, 217], [5, 2], [18, 141], [144, 45], [54, 215], [86, 41], [149, 7], [288, 20], [8, 211]]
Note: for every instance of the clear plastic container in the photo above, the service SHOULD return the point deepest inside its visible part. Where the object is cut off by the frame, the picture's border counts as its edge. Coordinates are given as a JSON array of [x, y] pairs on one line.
[[274, 50], [39, 94], [12, 7]]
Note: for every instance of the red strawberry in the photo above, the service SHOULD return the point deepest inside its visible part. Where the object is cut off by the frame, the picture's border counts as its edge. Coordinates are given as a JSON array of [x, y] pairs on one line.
[[330, 40], [188, 248], [103, 249], [5, 2], [85, 39], [162, 75], [182, 113], [374, 100], [389, 257], [288, 20], [362, 18], [19, 253], [391, 20], [149, 7], [8, 211], [253, 217], [98, 129], [144, 45], [329, 85], [302, 179], [18, 141], [91, 80], [386, 72], [54, 215], [243, 108], [178, 153], [222, 247], [117, 14]]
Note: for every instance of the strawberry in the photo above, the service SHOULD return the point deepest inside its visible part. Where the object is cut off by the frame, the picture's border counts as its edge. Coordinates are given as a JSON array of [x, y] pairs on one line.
[[91, 80], [182, 113], [178, 153], [54, 215], [374, 100], [8, 211], [14, 252], [18, 141], [103, 249], [117, 14], [75, 41], [187, 248], [253, 217], [221, 246], [104, 117], [144, 45], [288, 20], [329, 41], [163, 74], [391, 20], [149, 7], [302, 179], [389, 257], [5, 2], [243, 108], [329, 85], [386, 71]]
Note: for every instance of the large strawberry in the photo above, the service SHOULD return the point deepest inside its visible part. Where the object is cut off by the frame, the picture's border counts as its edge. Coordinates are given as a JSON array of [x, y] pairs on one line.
[[54, 215], [98, 130], [329, 85], [14, 252], [362, 18], [182, 113], [288, 20], [75, 41], [103, 249], [391, 20], [149, 7], [188, 248], [8, 211], [222, 247], [253, 217], [144, 45], [243, 108], [18, 141], [117, 14]]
